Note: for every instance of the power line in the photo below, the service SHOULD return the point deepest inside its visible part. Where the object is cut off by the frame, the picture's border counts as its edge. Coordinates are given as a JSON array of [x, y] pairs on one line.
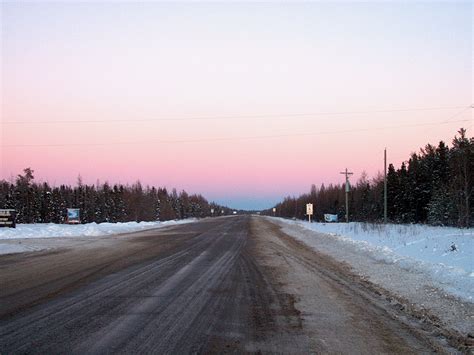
[[458, 113], [219, 118], [227, 139]]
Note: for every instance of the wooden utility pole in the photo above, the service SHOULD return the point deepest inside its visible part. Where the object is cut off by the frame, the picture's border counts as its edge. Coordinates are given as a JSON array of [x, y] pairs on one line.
[[347, 173], [385, 186]]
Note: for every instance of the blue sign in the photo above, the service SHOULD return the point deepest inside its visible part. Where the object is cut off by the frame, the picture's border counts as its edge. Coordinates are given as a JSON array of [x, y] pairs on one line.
[[330, 217], [73, 215]]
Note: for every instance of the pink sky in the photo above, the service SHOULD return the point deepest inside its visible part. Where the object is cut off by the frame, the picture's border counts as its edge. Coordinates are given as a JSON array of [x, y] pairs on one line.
[[164, 62]]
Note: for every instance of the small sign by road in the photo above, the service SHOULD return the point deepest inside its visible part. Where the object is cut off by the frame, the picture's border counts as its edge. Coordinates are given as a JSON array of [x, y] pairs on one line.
[[73, 216], [7, 218], [309, 210]]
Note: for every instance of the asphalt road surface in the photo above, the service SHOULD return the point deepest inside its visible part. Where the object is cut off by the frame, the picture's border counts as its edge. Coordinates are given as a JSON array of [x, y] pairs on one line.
[[232, 284]]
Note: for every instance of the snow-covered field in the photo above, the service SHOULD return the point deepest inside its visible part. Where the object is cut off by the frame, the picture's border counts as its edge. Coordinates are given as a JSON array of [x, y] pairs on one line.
[[445, 255], [51, 230]]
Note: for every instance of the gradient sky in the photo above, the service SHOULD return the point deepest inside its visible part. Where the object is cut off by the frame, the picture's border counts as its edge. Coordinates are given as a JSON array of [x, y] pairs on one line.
[[144, 73]]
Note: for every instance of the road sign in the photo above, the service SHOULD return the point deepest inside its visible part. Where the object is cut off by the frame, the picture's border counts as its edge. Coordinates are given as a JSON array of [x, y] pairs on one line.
[[330, 217], [309, 211], [212, 210], [7, 218], [73, 216]]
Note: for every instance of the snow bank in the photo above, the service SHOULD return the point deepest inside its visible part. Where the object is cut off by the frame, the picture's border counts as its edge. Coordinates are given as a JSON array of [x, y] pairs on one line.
[[51, 230], [444, 254]]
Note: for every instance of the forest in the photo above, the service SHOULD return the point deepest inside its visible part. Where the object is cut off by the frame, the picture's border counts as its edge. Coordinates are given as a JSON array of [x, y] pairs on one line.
[[41, 203], [433, 186]]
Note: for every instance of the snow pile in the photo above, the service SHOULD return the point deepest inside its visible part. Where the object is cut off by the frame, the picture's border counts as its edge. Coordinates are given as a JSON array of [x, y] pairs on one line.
[[51, 230], [444, 254]]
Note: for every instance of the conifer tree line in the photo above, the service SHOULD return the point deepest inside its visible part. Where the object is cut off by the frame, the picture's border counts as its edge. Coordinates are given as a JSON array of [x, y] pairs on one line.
[[42, 203], [434, 186]]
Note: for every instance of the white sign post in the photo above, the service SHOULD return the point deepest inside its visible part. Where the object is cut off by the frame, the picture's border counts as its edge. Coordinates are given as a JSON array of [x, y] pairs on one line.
[[274, 211], [309, 210], [212, 211]]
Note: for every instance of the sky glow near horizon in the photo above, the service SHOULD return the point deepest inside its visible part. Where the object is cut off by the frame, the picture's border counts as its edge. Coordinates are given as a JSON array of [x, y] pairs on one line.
[[140, 69]]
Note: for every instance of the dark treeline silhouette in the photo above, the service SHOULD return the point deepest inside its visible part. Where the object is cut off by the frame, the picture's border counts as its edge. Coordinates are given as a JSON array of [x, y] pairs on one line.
[[434, 186], [41, 203]]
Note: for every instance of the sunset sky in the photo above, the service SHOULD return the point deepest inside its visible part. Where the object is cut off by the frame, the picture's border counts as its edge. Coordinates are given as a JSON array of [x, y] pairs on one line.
[[245, 103]]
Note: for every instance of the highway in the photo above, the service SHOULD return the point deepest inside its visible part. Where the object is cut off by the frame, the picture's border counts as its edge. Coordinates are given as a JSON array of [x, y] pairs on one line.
[[229, 284]]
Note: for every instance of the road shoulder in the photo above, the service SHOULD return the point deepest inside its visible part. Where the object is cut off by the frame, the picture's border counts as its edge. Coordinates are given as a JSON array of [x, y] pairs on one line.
[[395, 304]]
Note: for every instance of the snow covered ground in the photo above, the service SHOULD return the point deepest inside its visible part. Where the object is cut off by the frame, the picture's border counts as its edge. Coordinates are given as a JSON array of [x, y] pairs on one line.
[[51, 230], [428, 269], [444, 254]]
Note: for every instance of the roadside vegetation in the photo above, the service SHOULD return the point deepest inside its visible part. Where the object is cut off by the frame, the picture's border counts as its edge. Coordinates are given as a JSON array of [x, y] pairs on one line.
[[42, 203], [434, 186]]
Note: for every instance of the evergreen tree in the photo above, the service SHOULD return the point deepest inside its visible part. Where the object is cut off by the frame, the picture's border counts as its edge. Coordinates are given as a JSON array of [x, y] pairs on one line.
[[434, 187]]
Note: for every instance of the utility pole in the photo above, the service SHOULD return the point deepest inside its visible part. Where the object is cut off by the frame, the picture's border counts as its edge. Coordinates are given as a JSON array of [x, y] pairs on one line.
[[347, 173], [385, 186]]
